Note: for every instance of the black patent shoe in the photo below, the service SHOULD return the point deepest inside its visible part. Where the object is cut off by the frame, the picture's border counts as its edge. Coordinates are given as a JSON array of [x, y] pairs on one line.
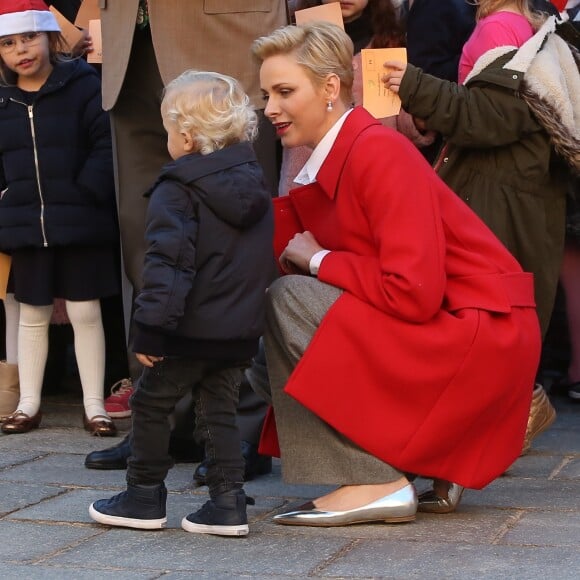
[[255, 465], [431, 502], [111, 458]]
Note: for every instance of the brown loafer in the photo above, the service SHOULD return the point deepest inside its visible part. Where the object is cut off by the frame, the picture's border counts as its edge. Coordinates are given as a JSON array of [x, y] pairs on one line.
[[20, 422], [100, 426]]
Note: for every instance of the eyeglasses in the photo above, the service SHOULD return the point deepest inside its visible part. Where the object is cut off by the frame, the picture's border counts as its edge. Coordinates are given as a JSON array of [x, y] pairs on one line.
[[8, 44]]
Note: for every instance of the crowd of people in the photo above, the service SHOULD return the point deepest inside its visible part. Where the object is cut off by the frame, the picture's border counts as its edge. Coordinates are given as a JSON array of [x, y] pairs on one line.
[[397, 334]]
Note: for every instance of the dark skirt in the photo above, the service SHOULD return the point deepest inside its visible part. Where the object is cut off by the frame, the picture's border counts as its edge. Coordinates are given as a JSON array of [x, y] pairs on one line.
[[77, 273]]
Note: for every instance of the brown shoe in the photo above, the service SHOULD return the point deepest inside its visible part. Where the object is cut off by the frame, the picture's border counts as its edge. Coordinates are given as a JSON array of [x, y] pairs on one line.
[[20, 422], [542, 415], [100, 426]]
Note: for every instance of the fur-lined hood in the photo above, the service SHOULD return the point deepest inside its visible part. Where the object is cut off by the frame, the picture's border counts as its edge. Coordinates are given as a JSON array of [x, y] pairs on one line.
[[550, 85]]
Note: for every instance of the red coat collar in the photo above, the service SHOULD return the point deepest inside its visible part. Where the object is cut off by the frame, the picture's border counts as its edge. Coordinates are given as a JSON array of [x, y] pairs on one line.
[[328, 175]]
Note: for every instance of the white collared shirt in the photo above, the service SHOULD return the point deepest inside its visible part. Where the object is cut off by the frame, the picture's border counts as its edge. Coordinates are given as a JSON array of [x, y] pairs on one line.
[[310, 170]]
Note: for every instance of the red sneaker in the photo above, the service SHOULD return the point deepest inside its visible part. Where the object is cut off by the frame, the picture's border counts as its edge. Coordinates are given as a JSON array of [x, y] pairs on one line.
[[117, 403]]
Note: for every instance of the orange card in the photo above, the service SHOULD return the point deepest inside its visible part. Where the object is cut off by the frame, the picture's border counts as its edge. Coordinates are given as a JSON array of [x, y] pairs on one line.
[[71, 34], [89, 10], [96, 55], [377, 99], [326, 12]]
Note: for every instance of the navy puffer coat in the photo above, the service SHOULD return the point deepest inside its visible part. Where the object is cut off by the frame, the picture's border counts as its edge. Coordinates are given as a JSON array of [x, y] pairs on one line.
[[56, 168]]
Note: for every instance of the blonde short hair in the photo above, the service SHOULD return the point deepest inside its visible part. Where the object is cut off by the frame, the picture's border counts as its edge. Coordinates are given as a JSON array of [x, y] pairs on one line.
[[210, 107], [320, 47]]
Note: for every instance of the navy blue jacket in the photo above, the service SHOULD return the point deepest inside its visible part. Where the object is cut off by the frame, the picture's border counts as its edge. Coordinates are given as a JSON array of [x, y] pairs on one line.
[[209, 258], [56, 168], [436, 33]]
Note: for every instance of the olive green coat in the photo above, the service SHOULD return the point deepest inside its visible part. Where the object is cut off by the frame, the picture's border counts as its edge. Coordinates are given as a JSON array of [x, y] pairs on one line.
[[501, 160]]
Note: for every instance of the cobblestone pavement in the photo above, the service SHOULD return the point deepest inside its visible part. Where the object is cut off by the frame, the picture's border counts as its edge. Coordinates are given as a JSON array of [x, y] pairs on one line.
[[524, 525]]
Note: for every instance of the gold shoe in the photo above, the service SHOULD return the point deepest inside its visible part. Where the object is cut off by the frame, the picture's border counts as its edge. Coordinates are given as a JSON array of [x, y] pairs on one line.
[[99, 426], [542, 415], [432, 503], [400, 506], [20, 422]]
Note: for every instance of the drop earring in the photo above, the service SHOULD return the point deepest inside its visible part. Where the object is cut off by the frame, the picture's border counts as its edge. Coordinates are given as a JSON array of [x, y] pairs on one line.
[[329, 106]]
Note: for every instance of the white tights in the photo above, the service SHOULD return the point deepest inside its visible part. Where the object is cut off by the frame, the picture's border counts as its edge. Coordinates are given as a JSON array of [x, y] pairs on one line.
[[89, 342]]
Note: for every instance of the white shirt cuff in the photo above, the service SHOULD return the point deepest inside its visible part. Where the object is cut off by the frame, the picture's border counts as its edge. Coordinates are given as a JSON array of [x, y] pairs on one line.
[[316, 260]]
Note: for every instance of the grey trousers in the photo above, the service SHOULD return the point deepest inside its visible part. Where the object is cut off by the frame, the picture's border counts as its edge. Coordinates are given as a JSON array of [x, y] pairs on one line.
[[312, 451]]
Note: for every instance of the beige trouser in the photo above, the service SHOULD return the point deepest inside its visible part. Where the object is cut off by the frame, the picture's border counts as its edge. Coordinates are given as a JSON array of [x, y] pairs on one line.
[[312, 451]]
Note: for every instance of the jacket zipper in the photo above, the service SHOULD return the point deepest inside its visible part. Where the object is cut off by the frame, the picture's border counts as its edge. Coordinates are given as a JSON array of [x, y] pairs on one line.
[[37, 169]]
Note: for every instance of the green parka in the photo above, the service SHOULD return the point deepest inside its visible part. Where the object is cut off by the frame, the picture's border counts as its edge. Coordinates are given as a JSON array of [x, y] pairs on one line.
[[509, 133]]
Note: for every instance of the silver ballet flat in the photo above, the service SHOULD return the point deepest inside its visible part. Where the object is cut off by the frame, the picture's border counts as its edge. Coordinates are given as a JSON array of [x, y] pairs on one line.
[[400, 506], [430, 502]]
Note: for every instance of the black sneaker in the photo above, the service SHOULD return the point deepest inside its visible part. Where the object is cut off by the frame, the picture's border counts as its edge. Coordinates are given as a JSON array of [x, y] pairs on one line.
[[224, 516], [141, 506]]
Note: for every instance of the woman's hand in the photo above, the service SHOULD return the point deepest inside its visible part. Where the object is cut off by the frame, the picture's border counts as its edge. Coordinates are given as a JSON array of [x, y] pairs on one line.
[[394, 75], [148, 360], [295, 259]]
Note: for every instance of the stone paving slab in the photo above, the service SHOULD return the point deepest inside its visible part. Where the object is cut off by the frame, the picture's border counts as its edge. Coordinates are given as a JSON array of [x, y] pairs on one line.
[[571, 470], [15, 497], [57, 440], [546, 529], [69, 470], [535, 465], [42, 572], [177, 550], [9, 458], [395, 560], [521, 493], [28, 542]]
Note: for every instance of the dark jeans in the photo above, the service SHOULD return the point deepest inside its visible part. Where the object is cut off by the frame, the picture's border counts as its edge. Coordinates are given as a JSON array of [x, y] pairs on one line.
[[214, 386]]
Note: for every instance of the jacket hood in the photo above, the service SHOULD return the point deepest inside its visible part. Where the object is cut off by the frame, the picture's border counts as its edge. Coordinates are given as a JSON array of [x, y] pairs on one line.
[[228, 181], [545, 71]]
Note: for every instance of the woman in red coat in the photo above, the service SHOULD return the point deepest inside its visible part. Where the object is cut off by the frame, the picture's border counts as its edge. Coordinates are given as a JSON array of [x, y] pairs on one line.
[[407, 339]]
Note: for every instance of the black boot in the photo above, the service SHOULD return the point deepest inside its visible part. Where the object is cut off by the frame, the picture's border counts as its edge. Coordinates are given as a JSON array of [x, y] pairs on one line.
[[225, 515], [141, 506]]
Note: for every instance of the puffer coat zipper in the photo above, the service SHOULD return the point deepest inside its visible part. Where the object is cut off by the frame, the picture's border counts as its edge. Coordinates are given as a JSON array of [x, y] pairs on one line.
[[30, 110]]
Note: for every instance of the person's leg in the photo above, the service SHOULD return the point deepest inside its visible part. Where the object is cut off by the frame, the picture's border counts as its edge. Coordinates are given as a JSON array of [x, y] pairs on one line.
[[311, 450], [32, 353], [216, 398], [89, 342], [143, 504]]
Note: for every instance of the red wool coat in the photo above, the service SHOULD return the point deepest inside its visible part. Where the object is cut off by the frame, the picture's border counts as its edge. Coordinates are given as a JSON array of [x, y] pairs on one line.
[[428, 358]]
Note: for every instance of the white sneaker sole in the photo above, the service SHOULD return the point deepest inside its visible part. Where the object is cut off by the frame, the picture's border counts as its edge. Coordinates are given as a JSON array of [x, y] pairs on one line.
[[126, 522], [118, 414], [188, 526]]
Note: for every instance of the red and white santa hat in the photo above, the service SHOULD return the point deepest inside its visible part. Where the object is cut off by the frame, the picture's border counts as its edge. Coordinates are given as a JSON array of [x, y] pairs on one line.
[[18, 16]]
